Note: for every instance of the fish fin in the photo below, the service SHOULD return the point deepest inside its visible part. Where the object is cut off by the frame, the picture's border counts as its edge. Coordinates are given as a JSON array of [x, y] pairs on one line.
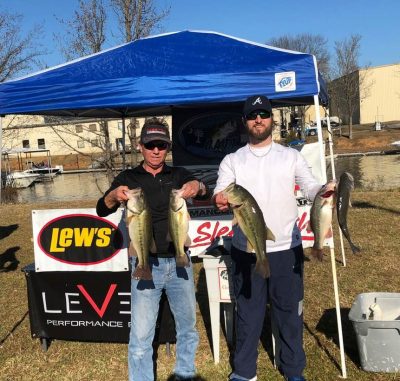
[[188, 241], [262, 268], [249, 247], [153, 247], [182, 261], [329, 233], [269, 235], [142, 273], [350, 203], [317, 254], [131, 251]]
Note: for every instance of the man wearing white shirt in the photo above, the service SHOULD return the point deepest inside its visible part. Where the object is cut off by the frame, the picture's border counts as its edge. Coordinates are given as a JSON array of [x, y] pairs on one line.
[[269, 172]]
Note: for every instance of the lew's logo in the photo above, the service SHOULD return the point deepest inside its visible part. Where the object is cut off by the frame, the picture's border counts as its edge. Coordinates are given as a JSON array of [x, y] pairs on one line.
[[80, 239]]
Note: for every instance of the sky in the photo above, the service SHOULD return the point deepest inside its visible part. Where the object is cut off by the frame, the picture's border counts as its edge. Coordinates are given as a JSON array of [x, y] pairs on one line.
[[255, 20]]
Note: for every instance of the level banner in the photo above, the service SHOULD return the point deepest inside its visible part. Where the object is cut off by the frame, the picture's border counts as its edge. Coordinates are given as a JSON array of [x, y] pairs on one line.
[[87, 306]]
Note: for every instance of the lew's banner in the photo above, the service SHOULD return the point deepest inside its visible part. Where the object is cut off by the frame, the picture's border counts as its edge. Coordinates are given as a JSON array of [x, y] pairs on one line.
[[79, 240]]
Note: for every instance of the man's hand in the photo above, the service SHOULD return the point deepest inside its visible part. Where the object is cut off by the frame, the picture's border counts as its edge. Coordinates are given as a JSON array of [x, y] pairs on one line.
[[221, 202], [116, 196], [190, 189]]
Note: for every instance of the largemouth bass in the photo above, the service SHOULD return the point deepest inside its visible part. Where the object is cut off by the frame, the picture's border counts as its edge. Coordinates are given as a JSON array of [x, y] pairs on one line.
[[321, 217], [178, 224], [138, 220], [345, 186], [249, 217]]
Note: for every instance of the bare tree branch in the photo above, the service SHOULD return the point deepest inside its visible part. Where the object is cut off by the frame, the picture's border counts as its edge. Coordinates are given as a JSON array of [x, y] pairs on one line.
[[18, 53], [138, 18], [350, 86], [85, 33], [306, 43]]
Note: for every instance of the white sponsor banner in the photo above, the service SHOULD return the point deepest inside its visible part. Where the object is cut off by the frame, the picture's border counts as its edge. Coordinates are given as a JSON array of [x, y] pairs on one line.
[[79, 240], [285, 81], [204, 232]]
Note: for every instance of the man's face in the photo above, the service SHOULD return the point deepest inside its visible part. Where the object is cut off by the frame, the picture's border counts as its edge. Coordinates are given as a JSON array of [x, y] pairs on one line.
[[154, 153], [259, 125]]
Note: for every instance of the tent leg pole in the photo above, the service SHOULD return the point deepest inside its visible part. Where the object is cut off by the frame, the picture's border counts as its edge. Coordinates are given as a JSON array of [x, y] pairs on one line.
[[1, 155], [338, 314], [123, 144]]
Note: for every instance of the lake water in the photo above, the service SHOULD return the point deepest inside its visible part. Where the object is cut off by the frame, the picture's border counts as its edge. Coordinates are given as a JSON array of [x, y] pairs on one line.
[[371, 172]]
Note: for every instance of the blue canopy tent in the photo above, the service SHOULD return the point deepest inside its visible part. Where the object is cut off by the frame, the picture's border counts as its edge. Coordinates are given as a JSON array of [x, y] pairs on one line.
[[154, 75], [151, 75]]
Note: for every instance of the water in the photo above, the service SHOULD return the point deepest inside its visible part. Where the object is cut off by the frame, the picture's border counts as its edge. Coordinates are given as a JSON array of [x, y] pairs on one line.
[[371, 172], [66, 187], [378, 172]]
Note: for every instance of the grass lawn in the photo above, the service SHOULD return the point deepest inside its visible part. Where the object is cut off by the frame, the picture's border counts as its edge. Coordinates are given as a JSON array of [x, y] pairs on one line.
[[374, 222]]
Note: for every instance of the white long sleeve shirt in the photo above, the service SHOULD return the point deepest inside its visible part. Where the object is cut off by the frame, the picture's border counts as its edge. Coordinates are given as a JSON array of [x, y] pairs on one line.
[[270, 175]]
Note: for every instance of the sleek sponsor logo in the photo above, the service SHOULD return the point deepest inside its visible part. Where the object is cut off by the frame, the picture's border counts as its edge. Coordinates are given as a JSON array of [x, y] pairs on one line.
[[285, 81], [80, 239]]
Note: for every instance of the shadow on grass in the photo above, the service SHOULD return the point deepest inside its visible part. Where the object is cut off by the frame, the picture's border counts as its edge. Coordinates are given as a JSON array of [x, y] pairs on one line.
[[328, 326], [8, 260], [5, 231], [368, 205], [197, 378]]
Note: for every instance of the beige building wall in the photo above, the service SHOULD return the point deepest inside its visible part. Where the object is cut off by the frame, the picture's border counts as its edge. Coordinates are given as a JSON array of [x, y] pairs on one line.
[[76, 137], [382, 94]]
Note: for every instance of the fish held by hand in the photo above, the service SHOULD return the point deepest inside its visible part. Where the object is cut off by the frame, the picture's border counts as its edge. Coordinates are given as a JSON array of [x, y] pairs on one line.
[[249, 217], [345, 186], [178, 225], [139, 223]]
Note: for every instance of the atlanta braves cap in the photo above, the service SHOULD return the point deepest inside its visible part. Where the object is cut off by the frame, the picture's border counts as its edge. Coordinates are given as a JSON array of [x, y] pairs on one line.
[[154, 132], [256, 103]]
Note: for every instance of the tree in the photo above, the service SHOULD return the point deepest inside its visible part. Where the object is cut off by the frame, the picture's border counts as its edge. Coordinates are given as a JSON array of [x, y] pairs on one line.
[[350, 86], [138, 18], [18, 53], [307, 43], [310, 44], [85, 33]]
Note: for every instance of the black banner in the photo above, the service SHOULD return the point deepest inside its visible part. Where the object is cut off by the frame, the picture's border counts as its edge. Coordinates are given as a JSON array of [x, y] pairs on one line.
[[203, 136], [86, 306]]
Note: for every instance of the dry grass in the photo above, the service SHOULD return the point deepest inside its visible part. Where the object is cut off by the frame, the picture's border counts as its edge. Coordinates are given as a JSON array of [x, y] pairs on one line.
[[374, 221]]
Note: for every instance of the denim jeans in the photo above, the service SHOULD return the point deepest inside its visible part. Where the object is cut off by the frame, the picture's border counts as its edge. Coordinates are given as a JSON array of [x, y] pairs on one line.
[[145, 298]]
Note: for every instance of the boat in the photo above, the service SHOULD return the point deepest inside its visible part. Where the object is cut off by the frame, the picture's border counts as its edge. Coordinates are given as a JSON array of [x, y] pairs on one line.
[[33, 172], [43, 169], [21, 179]]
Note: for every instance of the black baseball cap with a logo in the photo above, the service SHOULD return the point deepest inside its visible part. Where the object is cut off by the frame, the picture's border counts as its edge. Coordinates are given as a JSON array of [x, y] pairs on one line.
[[256, 103], [152, 132]]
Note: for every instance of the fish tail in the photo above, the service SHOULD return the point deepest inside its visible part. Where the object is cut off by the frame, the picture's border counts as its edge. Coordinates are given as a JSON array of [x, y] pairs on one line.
[[182, 261], [262, 268], [317, 254], [142, 272], [355, 249]]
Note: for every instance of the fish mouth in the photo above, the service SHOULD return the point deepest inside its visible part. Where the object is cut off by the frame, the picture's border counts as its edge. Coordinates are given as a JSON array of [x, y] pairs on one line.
[[328, 193]]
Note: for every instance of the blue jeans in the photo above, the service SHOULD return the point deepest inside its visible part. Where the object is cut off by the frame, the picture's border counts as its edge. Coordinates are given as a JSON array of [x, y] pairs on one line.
[[145, 298]]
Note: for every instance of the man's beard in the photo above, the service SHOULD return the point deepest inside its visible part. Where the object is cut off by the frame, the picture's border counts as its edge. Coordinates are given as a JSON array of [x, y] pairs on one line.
[[260, 135]]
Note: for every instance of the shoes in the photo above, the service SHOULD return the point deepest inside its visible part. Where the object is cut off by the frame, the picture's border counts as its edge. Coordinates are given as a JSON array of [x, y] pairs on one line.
[[301, 378]]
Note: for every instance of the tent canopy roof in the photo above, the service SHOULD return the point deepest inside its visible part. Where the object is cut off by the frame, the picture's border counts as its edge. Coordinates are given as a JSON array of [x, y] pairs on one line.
[[154, 74]]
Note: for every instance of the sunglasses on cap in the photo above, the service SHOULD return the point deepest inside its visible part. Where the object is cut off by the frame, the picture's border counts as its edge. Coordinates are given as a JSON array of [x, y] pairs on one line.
[[160, 145], [253, 115]]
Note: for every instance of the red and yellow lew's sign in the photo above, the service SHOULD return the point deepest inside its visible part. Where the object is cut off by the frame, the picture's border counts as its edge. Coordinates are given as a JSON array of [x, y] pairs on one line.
[[79, 240]]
